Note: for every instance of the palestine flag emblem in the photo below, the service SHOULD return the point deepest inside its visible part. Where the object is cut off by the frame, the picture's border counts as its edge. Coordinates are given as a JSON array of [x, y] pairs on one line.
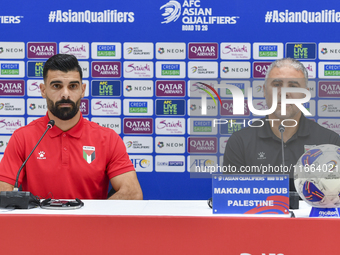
[[89, 153]]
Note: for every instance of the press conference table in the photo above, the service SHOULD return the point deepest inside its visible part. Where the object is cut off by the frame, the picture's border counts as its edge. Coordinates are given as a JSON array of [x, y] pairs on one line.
[[162, 227]]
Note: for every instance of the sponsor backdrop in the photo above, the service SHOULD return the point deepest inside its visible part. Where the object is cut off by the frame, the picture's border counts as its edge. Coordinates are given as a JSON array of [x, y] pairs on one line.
[[145, 63]]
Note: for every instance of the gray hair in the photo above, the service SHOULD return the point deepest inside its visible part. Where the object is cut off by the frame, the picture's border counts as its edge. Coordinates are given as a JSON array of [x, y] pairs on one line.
[[289, 62]]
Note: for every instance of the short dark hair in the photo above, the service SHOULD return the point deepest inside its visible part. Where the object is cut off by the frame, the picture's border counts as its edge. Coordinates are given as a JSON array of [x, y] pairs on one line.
[[62, 62]]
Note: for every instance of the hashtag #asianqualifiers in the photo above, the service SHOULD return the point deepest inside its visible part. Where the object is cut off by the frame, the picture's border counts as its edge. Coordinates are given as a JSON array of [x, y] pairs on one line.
[[107, 16]]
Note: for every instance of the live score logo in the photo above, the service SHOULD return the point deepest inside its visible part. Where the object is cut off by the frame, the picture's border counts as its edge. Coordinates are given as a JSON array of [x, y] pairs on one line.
[[170, 107]]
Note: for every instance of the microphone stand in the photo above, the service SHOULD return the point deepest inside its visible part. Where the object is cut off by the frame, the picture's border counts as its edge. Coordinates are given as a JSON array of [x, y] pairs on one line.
[[293, 196], [22, 199]]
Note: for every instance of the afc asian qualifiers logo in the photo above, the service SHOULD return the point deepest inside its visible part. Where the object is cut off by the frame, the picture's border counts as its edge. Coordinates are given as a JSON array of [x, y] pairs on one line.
[[172, 11]]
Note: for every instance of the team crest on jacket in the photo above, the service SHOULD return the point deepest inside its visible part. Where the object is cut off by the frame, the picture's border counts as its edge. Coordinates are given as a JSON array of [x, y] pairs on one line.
[[89, 153]]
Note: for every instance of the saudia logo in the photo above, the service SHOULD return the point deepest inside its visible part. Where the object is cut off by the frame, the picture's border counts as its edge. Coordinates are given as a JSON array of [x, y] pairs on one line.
[[164, 124], [67, 48], [130, 68], [238, 100], [34, 86], [4, 123], [100, 105], [229, 49], [331, 125]]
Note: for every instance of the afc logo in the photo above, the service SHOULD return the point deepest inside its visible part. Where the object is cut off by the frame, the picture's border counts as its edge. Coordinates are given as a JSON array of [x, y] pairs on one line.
[[140, 162]]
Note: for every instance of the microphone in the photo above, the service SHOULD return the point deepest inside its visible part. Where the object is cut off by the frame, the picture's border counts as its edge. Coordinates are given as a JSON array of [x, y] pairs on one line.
[[282, 129], [293, 196], [22, 199]]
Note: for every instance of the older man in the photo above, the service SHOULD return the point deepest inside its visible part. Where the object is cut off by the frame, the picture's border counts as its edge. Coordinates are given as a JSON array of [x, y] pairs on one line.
[[256, 146]]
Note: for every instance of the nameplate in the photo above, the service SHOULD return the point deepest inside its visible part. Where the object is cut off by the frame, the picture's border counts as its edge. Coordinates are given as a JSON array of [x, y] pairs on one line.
[[250, 194]]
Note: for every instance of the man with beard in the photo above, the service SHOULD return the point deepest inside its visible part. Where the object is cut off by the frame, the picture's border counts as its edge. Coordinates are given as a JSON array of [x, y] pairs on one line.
[[76, 158], [261, 145]]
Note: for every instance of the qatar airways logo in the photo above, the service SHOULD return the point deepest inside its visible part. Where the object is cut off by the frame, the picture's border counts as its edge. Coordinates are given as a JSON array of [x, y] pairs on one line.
[[203, 50], [260, 69], [227, 108], [41, 50], [329, 89], [170, 88], [138, 125], [106, 69], [238, 100], [12, 87], [202, 145]]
